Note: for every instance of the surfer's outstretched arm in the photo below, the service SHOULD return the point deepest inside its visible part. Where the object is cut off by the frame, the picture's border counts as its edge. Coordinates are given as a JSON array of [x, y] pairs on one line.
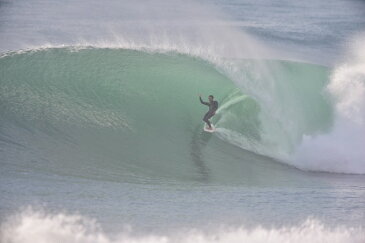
[[204, 103]]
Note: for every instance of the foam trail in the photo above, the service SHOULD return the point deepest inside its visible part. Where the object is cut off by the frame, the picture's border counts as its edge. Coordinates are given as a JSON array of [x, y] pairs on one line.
[[342, 150], [38, 226]]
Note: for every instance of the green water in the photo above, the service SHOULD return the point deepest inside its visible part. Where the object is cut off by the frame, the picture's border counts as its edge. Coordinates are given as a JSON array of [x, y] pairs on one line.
[[114, 114]]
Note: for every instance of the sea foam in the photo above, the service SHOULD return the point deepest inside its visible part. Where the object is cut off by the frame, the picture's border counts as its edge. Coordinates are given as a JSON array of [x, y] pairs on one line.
[[342, 149], [39, 226]]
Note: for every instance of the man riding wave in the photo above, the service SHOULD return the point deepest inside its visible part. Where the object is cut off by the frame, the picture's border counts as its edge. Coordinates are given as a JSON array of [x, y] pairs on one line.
[[213, 106]]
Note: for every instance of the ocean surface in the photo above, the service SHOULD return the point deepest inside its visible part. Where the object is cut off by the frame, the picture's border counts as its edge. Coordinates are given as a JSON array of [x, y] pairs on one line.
[[101, 131]]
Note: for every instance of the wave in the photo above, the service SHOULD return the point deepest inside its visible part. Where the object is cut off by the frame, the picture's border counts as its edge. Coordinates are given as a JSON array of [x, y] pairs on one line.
[[72, 84], [60, 227], [140, 109]]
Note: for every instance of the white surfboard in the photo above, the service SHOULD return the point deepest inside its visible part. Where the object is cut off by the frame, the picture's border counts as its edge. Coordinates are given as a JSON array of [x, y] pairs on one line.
[[209, 130]]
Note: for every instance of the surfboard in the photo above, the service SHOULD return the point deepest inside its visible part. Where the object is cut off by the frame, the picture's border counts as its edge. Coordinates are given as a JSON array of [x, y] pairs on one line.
[[208, 130]]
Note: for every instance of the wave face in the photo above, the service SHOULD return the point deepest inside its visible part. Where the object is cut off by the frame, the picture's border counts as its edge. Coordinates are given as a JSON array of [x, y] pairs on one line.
[[136, 113]]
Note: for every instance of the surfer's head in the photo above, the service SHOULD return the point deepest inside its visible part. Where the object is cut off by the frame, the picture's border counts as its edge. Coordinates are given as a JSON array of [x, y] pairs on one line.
[[211, 97]]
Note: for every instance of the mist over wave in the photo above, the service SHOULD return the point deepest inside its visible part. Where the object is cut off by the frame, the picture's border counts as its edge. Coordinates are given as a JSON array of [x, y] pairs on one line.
[[189, 27]]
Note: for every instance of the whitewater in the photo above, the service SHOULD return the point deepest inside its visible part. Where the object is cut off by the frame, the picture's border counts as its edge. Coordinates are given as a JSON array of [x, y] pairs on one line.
[[101, 135]]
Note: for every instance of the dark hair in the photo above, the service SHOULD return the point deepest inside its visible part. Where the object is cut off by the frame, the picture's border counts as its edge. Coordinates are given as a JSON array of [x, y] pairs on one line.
[[211, 96]]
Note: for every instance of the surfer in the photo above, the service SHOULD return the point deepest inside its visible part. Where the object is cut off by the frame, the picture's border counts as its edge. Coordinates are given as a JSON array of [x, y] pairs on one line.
[[213, 106]]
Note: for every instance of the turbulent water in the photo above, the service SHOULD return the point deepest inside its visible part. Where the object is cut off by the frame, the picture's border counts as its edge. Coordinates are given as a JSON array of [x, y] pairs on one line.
[[101, 135]]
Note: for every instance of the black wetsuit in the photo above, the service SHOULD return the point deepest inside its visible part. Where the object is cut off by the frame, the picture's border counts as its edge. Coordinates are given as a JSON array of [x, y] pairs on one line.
[[212, 109]]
